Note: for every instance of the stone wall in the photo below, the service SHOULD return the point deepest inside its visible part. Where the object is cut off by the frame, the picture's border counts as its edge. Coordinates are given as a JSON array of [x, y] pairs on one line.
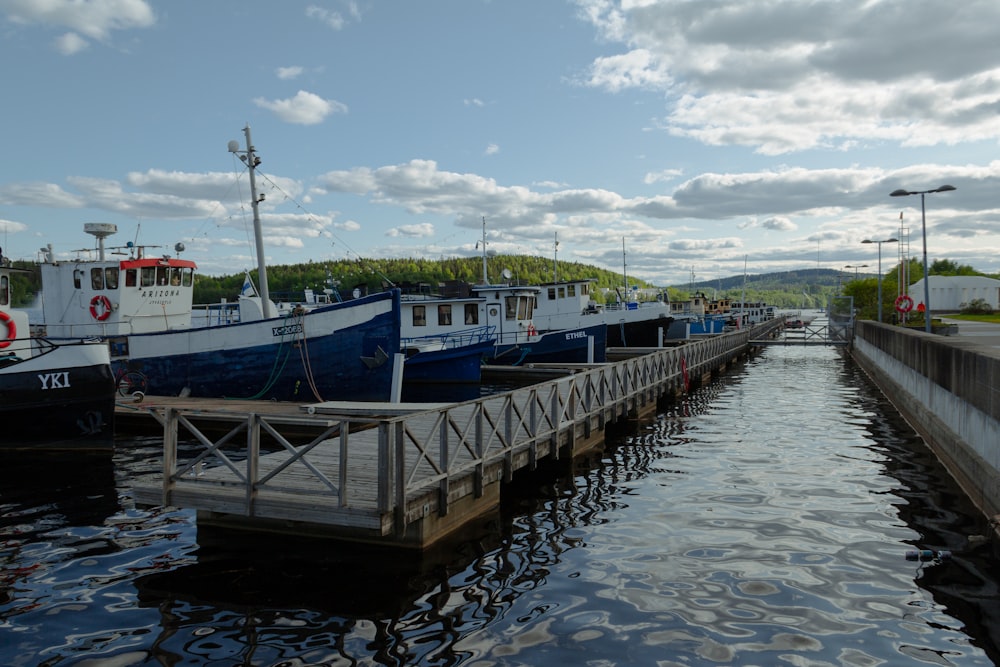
[[948, 388]]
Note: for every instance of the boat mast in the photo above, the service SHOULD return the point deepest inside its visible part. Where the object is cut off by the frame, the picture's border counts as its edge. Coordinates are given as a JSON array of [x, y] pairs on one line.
[[624, 273], [486, 280], [250, 158], [555, 260]]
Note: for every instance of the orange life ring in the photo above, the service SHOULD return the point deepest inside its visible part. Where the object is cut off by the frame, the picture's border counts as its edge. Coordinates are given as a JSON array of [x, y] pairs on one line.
[[8, 322], [106, 307], [531, 330], [904, 303]]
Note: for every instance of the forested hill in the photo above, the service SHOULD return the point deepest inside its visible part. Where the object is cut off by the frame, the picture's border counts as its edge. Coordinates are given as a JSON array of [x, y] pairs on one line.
[[376, 274]]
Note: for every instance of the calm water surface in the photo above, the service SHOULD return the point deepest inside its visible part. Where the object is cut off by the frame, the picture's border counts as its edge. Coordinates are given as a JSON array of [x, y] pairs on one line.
[[764, 520]]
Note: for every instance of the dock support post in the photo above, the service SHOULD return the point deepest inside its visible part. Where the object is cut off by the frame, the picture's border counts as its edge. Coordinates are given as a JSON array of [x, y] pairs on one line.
[[480, 475], [443, 458], [169, 453], [253, 460], [396, 393]]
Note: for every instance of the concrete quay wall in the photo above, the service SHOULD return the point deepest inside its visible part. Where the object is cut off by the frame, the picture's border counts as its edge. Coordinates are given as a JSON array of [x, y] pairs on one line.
[[948, 389]]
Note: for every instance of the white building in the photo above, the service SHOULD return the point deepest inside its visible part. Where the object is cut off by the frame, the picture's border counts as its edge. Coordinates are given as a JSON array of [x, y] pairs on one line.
[[948, 293]]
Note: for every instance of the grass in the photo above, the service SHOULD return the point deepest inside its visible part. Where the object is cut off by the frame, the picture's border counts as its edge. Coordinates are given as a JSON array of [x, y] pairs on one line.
[[992, 317]]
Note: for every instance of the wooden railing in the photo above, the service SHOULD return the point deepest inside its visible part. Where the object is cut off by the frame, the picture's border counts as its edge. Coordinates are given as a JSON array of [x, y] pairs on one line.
[[335, 469]]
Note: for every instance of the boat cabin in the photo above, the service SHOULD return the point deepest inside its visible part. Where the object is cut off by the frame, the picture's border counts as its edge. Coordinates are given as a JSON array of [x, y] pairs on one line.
[[505, 309], [116, 293]]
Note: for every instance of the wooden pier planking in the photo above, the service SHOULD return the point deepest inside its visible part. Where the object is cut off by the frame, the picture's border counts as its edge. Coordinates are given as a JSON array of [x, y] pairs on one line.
[[403, 474]]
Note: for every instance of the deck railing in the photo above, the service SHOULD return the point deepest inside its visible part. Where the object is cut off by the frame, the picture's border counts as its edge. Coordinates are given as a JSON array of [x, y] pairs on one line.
[[328, 469]]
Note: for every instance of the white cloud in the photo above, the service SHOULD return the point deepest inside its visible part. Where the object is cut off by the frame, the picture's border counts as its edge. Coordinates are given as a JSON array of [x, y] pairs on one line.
[[70, 44], [11, 227], [422, 230], [303, 109], [492, 149], [289, 72], [783, 75], [661, 176], [333, 18], [91, 20]]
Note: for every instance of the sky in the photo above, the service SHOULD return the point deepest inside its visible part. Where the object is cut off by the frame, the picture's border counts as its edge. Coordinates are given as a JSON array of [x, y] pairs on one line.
[[679, 140]]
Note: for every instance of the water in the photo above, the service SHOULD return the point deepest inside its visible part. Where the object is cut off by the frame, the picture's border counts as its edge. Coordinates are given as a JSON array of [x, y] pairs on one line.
[[764, 520]]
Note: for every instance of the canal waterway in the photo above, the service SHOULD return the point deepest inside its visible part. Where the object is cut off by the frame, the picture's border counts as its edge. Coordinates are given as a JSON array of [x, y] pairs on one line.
[[771, 517]]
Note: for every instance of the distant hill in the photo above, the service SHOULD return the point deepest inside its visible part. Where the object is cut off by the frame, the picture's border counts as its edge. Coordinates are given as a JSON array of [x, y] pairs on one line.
[[783, 289]]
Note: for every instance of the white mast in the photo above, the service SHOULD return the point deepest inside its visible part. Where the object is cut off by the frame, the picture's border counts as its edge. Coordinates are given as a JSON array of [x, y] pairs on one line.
[[624, 273], [555, 260], [486, 280], [250, 158]]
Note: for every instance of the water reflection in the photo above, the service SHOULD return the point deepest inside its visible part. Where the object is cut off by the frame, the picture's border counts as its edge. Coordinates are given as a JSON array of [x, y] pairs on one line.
[[761, 520]]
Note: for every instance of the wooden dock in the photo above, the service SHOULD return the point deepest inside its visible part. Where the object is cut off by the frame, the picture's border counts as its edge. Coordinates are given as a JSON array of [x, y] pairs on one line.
[[405, 474]]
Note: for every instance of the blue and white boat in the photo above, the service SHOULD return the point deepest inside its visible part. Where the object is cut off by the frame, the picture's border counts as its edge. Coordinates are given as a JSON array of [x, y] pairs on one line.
[[51, 395], [142, 306]]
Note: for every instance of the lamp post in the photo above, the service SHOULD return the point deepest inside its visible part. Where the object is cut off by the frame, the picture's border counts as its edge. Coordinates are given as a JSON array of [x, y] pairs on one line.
[[923, 223], [893, 240], [856, 267]]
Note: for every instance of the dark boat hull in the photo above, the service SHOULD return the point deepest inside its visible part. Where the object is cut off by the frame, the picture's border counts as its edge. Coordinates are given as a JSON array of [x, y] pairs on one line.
[[554, 347], [643, 333], [58, 400]]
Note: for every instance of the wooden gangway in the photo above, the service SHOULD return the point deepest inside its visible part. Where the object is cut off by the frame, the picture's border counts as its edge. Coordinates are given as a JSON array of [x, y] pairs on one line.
[[406, 474]]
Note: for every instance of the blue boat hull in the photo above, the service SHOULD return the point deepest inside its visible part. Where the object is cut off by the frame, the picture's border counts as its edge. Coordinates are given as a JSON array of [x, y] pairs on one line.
[[566, 347], [340, 352], [457, 364]]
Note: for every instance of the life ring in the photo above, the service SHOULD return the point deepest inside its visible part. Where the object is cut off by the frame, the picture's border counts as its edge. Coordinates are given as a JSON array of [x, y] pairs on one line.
[[105, 304], [8, 322], [904, 303], [531, 330]]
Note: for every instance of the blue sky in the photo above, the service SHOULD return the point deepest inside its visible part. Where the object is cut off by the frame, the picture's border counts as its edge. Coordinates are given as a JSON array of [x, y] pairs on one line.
[[702, 134]]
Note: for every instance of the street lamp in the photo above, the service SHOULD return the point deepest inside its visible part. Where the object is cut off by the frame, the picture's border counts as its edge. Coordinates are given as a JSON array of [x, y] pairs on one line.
[[923, 223], [880, 271], [856, 267]]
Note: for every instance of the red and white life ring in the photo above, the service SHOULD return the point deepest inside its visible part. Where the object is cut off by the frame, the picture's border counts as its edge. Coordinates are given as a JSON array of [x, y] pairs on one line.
[[531, 330], [904, 303], [105, 304], [8, 322]]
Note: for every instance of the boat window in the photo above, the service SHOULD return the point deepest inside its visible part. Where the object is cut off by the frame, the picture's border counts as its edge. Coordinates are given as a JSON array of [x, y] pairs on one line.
[[584, 289], [552, 293], [444, 315], [77, 275], [471, 313], [161, 275], [148, 276], [571, 290], [4, 291], [129, 277], [175, 277], [562, 292], [420, 316], [111, 277], [96, 278], [510, 308], [187, 277], [527, 308]]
